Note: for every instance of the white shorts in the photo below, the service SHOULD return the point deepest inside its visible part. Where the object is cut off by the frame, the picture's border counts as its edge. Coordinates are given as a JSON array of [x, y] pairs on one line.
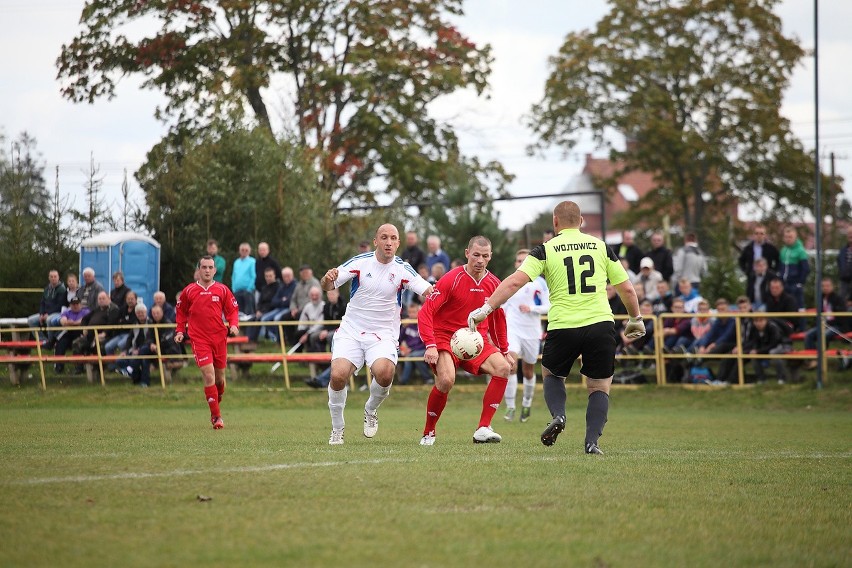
[[364, 347], [526, 348]]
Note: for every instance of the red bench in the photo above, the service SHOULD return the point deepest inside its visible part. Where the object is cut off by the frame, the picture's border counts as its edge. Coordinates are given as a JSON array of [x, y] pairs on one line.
[[800, 335], [31, 344], [18, 358], [235, 360]]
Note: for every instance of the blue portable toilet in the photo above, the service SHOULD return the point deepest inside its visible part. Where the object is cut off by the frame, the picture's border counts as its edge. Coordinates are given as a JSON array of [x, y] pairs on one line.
[[137, 256]]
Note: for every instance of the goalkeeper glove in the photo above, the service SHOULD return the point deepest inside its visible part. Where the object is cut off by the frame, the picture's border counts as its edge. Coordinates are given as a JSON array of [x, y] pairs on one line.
[[479, 314], [635, 328]]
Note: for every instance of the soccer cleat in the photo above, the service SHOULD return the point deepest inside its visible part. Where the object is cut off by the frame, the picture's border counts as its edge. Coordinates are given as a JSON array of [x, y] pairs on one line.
[[556, 426], [485, 435], [510, 415], [336, 437], [525, 413], [371, 424], [593, 449], [217, 422], [428, 439]]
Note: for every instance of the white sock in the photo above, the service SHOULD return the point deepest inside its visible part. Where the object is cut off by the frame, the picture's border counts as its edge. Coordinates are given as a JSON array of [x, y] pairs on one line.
[[336, 404], [511, 391], [529, 391], [378, 394]]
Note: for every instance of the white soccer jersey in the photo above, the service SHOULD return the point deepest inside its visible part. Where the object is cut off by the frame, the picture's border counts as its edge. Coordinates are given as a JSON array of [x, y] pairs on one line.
[[527, 325], [375, 299]]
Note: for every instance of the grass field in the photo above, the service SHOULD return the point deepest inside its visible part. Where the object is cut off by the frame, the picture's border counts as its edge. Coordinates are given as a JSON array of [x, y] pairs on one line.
[[112, 477]]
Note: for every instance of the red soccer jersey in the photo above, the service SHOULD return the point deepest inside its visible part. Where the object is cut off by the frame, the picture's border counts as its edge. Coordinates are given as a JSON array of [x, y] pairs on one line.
[[199, 311], [454, 296]]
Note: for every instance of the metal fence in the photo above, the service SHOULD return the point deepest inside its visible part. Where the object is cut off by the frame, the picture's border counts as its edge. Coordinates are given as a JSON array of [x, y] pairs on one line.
[[18, 349]]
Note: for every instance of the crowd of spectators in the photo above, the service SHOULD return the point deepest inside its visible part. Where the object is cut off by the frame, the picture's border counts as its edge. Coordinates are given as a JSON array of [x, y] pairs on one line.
[[63, 307], [666, 281], [774, 283]]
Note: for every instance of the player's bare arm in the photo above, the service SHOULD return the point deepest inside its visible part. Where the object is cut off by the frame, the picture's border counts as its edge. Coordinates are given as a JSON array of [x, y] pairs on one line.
[[504, 291], [635, 328], [328, 279]]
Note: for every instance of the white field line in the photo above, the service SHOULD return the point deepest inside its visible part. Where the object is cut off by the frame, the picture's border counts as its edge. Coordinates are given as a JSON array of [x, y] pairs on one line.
[[187, 472], [241, 469], [696, 455]]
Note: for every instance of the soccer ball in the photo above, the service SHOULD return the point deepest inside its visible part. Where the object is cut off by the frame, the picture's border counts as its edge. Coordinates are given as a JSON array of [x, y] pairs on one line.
[[466, 344]]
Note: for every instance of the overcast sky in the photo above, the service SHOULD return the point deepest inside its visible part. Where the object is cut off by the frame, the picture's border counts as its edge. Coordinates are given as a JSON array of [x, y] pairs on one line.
[[522, 35]]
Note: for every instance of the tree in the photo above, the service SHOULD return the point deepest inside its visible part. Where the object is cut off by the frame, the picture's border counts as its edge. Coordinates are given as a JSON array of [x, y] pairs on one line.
[[23, 201], [132, 217], [96, 218], [60, 238], [357, 78], [233, 185], [696, 86], [463, 217]]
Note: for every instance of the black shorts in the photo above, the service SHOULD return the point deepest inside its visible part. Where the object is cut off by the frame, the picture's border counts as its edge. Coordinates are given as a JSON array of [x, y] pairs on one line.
[[595, 343]]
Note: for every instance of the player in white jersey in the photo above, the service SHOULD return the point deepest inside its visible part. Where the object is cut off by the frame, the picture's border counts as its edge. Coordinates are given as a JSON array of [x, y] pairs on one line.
[[523, 320], [369, 331]]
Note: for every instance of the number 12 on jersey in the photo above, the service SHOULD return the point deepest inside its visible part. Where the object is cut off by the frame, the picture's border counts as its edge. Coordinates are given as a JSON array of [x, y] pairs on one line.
[[587, 261]]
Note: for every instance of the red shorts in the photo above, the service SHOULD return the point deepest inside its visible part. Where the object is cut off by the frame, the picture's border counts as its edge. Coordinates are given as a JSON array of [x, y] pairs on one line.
[[472, 365], [207, 353]]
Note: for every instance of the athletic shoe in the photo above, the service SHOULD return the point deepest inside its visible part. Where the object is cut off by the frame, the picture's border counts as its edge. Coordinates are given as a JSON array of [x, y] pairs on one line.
[[485, 435], [336, 437], [556, 426], [371, 423], [217, 422], [593, 449], [510, 415], [525, 413], [428, 439]]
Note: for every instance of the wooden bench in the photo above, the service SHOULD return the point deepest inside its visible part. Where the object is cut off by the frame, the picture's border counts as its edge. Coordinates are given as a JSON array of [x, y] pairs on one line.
[[20, 358], [17, 349], [800, 335], [235, 361], [19, 362]]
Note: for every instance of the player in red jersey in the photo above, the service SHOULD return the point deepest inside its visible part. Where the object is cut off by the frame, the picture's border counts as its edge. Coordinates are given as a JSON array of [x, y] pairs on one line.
[[199, 312], [445, 310]]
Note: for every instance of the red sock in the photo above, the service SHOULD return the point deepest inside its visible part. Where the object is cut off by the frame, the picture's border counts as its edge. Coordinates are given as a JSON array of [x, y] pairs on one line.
[[434, 408], [220, 388], [212, 396], [491, 399]]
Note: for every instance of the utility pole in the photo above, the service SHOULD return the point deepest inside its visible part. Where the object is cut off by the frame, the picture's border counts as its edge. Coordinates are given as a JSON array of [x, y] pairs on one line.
[[818, 208]]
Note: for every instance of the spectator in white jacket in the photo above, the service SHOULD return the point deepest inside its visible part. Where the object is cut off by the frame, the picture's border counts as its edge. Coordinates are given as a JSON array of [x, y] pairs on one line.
[[689, 262], [648, 278], [308, 334]]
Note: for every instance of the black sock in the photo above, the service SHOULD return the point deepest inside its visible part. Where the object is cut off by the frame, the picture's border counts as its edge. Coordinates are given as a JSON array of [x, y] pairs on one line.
[[596, 412], [554, 395]]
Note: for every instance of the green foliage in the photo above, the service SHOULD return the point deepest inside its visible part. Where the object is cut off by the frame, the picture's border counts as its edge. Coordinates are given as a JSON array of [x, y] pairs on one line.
[[234, 185], [29, 244], [468, 213], [356, 78], [696, 86], [723, 278]]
